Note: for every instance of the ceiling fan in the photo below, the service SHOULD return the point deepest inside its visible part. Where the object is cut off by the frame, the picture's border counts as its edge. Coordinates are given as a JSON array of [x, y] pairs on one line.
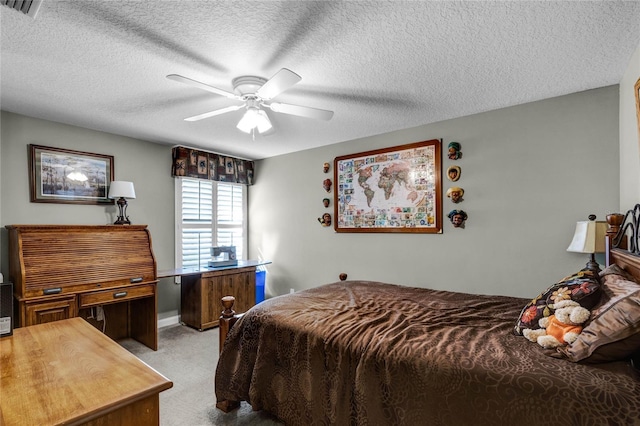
[[256, 93]]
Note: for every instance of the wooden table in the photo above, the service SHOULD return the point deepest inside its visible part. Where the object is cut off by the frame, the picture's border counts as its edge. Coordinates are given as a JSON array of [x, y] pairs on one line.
[[68, 372]]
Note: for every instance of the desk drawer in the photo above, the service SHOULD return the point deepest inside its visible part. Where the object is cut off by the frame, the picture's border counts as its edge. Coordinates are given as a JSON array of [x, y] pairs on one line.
[[115, 295]]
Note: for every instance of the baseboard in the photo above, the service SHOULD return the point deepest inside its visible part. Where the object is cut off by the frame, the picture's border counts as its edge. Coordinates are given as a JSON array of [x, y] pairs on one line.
[[165, 322]]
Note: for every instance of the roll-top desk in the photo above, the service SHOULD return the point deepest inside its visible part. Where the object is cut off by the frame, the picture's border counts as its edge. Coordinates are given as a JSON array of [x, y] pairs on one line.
[[104, 274]]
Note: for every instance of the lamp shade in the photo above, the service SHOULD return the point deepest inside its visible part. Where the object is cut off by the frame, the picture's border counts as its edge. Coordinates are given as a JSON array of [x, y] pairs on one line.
[[589, 237], [254, 117], [120, 188]]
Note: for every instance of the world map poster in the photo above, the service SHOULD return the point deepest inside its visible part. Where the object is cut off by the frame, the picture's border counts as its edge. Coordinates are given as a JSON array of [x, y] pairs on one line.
[[390, 190]]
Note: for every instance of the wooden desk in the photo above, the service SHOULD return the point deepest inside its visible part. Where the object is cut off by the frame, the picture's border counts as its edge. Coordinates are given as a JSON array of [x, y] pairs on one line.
[[67, 372], [66, 271]]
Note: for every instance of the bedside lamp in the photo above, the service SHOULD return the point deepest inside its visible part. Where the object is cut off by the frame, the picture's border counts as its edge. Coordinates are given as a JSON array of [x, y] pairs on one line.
[[122, 190], [589, 238]]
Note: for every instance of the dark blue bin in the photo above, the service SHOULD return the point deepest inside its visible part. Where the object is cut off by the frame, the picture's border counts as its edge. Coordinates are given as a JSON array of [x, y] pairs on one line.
[[261, 275]]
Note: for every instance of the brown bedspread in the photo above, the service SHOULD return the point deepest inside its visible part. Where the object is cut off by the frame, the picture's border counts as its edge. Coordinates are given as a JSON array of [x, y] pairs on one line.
[[367, 353]]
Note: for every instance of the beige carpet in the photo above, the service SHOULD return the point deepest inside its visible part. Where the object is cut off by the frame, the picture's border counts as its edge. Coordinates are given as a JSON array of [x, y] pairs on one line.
[[188, 358]]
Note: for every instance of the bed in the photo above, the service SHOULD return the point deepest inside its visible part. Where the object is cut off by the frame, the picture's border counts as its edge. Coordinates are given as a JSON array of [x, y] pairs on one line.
[[370, 353]]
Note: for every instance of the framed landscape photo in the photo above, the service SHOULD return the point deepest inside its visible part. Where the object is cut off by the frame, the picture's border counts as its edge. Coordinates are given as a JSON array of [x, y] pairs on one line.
[[64, 176], [395, 189]]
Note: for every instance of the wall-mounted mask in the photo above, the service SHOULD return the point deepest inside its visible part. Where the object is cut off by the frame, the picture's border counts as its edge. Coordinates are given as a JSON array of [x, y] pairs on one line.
[[453, 173], [455, 193], [457, 218], [325, 220], [454, 151], [326, 184]]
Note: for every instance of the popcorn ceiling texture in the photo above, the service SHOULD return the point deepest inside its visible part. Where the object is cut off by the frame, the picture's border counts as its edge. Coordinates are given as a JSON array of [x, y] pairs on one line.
[[381, 66]]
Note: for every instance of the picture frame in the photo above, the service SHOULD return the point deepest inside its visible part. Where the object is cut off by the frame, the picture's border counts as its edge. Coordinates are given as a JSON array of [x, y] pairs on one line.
[[636, 89], [65, 176], [397, 189]]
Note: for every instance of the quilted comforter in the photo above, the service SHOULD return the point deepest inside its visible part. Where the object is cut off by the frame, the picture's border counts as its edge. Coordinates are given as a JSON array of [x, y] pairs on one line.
[[368, 353]]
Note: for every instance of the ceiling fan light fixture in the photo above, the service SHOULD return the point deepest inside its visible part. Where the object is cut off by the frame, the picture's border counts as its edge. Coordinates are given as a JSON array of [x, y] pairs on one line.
[[254, 118], [253, 92], [264, 124]]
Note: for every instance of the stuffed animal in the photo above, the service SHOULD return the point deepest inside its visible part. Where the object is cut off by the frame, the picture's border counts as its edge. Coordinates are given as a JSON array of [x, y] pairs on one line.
[[560, 328]]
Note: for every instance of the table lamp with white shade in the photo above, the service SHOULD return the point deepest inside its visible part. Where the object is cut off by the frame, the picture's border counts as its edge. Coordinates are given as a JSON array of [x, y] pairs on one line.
[[122, 190]]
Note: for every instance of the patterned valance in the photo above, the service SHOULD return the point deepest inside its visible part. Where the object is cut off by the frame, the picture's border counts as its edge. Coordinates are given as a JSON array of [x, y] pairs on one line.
[[199, 164]]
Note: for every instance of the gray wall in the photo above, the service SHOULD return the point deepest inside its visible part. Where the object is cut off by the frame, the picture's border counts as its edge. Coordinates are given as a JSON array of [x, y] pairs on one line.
[[529, 173], [146, 164]]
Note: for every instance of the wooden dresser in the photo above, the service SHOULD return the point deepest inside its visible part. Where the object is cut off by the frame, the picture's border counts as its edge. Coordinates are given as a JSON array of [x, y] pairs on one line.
[[104, 274]]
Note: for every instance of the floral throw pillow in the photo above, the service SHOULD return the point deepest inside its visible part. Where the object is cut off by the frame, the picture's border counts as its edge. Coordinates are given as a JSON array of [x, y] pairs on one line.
[[582, 287], [613, 331]]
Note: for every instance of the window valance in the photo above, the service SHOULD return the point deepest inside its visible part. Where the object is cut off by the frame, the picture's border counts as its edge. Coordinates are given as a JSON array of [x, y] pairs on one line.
[[199, 164]]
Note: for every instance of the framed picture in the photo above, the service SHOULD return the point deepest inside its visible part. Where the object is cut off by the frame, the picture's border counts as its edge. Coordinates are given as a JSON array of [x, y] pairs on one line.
[[395, 189], [65, 176], [636, 90]]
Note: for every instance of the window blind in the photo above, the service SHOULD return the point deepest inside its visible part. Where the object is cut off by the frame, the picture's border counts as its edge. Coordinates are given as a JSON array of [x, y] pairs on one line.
[[212, 214]]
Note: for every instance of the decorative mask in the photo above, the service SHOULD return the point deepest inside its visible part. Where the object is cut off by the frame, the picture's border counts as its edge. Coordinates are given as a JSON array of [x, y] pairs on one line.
[[326, 184], [325, 220], [453, 173], [325, 167], [457, 218], [455, 193], [454, 151]]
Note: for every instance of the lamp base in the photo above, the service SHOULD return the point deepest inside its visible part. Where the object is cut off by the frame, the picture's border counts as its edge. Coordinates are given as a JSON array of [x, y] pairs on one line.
[[122, 219], [593, 265]]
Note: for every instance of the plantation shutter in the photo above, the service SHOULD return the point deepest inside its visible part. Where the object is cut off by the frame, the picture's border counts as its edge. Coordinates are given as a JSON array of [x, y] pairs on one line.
[[197, 214], [230, 216], [205, 223]]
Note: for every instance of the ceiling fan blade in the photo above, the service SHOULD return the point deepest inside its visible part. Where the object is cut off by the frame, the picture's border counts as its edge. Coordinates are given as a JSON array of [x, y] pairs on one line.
[[277, 84], [214, 113], [302, 111], [193, 83]]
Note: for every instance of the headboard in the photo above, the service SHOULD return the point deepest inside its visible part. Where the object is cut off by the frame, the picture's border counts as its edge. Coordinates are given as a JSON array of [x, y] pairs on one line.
[[623, 241]]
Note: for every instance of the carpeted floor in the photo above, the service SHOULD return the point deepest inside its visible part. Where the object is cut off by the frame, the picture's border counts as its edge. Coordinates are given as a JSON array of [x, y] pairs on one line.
[[188, 358]]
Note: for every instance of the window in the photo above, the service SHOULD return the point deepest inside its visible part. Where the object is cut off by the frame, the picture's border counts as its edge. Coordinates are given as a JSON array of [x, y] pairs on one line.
[[209, 214]]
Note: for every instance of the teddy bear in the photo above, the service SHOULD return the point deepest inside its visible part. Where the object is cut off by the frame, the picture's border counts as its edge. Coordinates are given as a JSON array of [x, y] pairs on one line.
[[560, 328]]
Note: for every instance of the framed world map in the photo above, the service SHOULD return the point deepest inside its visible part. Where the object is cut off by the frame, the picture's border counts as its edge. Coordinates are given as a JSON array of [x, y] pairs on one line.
[[396, 189]]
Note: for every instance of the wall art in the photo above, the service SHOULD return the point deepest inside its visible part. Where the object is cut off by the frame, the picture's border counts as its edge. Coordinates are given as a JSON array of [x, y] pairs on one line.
[[453, 151], [325, 220], [636, 90], [455, 193], [326, 184], [458, 218], [453, 173], [72, 177], [394, 189]]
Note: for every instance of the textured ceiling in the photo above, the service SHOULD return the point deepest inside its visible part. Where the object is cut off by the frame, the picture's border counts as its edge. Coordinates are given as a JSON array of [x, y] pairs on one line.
[[381, 66]]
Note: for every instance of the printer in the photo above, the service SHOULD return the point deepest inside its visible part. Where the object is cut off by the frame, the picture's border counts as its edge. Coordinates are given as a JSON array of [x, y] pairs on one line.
[[223, 256]]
